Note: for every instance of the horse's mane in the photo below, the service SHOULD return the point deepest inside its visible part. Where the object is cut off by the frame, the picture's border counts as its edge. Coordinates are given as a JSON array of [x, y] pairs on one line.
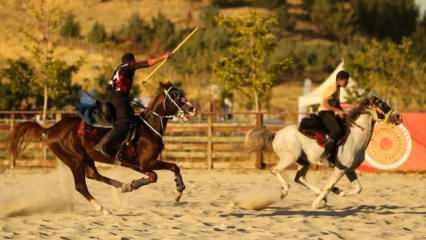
[[356, 111], [163, 86]]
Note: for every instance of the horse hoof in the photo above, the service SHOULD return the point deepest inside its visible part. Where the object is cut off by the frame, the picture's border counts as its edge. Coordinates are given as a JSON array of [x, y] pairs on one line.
[[283, 195], [319, 204], [179, 197], [336, 190], [106, 212], [126, 188]]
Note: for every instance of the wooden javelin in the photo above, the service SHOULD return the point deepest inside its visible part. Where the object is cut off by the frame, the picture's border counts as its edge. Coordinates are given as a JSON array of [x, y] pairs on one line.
[[174, 50]]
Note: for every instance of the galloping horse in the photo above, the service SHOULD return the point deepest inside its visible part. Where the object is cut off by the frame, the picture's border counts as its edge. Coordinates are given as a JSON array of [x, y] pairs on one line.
[[77, 150], [293, 147]]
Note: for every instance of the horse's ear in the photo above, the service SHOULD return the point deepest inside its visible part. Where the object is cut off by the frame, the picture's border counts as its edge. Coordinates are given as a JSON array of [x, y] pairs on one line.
[[163, 85]]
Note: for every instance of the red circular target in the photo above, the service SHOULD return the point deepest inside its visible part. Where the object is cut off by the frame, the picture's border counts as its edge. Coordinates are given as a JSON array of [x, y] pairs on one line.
[[390, 146]]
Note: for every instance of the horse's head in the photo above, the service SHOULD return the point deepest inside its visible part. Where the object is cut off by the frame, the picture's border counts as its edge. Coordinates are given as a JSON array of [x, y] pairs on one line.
[[383, 112], [175, 101]]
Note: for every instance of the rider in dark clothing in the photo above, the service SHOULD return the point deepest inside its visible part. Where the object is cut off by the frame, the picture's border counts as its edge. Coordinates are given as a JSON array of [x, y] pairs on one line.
[[118, 96], [332, 116]]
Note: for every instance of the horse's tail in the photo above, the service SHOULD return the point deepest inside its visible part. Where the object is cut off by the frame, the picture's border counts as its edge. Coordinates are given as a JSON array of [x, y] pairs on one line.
[[24, 132], [259, 139]]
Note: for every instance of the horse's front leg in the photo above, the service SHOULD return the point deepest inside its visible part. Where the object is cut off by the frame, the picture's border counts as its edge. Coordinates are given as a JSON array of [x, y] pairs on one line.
[[180, 185], [136, 184], [335, 177], [353, 178]]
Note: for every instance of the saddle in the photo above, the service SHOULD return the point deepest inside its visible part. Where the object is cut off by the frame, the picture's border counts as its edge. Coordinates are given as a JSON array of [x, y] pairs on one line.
[[97, 118], [312, 127]]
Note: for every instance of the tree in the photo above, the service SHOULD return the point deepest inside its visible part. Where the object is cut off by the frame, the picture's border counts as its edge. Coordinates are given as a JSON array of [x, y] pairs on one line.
[[98, 33], [42, 20], [243, 66], [71, 27], [386, 19], [332, 18], [419, 38], [285, 19], [390, 70], [15, 84]]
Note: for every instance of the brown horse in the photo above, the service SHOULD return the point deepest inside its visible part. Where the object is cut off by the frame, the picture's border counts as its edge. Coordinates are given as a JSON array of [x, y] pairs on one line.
[[77, 150]]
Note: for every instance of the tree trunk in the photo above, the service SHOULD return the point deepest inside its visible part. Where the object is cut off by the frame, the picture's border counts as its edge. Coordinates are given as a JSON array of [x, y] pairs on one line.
[[256, 101], [45, 99]]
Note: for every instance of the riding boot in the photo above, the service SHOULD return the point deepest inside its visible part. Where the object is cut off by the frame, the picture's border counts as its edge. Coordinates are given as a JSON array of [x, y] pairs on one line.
[[330, 151], [102, 144]]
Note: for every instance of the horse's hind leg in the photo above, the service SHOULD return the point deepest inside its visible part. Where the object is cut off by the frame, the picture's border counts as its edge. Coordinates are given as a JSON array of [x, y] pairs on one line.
[[77, 166], [286, 159], [135, 184], [81, 187], [92, 173], [302, 169]]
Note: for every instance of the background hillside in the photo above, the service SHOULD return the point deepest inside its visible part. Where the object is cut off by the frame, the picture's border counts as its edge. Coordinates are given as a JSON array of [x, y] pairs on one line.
[[315, 35]]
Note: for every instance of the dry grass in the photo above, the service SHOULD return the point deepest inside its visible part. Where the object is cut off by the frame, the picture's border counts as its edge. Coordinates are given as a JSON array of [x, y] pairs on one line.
[[114, 14]]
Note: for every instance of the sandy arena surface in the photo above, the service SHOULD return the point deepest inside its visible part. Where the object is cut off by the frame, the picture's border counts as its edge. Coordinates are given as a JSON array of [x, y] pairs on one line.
[[44, 205]]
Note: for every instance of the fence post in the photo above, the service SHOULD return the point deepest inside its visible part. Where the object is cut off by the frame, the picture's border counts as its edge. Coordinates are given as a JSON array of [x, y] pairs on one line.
[[210, 117], [259, 124], [12, 128]]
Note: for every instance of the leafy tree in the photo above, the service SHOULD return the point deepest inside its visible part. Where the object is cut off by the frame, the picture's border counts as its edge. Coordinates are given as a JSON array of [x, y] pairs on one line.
[[390, 70], [71, 27], [204, 47], [41, 40], [285, 19], [243, 66], [419, 39], [230, 3], [386, 19], [163, 31], [332, 18], [98, 33], [137, 31], [15, 84], [208, 16]]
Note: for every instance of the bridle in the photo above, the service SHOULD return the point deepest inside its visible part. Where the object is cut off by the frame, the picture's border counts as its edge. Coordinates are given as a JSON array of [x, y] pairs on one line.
[[180, 114]]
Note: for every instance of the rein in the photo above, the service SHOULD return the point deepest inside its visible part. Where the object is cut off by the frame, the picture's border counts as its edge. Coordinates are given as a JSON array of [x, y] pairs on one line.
[[180, 114]]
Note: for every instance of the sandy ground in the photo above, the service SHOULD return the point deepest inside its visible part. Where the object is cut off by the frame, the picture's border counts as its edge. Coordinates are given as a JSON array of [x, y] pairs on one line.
[[43, 205]]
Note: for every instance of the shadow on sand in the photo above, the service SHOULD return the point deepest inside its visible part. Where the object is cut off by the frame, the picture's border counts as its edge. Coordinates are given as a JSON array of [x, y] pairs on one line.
[[344, 212]]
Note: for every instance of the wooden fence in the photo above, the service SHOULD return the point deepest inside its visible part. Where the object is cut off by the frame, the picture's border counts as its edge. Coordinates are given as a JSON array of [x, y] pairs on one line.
[[211, 140]]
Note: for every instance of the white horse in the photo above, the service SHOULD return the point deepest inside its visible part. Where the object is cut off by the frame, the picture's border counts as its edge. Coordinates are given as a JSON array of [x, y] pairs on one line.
[[291, 146]]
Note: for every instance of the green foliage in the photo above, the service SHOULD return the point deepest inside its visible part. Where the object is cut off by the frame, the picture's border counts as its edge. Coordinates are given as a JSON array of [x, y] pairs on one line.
[[311, 58], [15, 84], [71, 27], [242, 3], [98, 33], [386, 19], [243, 67], [419, 39], [390, 70], [136, 32], [285, 20], [208, 16], [158, 35], [230, 3], [204, 47], [163, 33], [332, 18], [19, 84]]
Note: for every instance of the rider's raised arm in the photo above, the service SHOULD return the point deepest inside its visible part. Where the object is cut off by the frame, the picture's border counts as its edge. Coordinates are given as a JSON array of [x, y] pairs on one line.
[[151, 62]]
